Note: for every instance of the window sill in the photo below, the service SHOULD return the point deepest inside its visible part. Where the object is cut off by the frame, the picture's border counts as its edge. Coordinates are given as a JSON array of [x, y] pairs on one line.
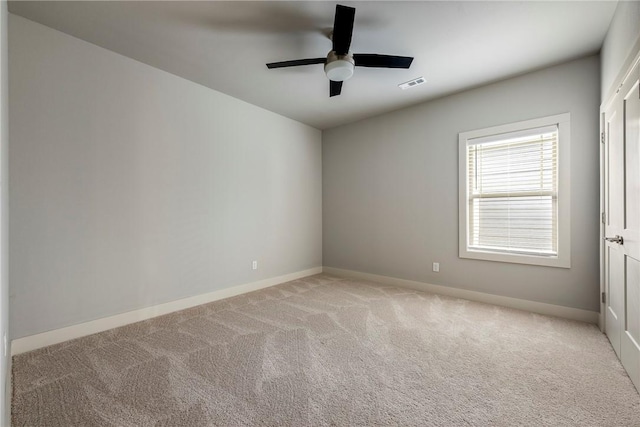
[[545, 261]]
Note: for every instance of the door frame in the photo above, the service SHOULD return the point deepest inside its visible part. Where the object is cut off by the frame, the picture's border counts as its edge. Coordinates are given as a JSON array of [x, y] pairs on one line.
[[632, 60]]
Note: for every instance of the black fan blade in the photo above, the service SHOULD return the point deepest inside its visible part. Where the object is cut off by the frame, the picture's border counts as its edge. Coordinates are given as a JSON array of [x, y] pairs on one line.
[[382, 61], [343, 29], [296, 62], [335, 88]]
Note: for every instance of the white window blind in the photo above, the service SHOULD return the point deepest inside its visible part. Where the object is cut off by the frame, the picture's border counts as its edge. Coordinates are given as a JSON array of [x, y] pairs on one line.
[[513, 192]]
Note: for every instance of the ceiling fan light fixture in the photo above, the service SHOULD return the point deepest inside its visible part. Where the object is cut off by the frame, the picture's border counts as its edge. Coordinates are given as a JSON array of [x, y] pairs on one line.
[[339, 68], [340, 62]]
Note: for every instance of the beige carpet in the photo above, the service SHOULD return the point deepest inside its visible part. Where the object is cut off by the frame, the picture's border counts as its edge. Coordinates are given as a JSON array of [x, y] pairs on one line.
[[329, 351]]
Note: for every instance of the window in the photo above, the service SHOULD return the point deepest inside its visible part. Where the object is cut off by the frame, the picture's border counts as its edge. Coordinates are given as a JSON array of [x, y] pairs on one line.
[[514, 192]]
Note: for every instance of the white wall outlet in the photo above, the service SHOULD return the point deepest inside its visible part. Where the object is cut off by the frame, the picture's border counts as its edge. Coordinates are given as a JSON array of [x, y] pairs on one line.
[[254, 265], [436, 267]]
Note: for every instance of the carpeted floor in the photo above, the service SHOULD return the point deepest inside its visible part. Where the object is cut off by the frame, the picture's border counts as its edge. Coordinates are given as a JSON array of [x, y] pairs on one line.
[[329, 351]]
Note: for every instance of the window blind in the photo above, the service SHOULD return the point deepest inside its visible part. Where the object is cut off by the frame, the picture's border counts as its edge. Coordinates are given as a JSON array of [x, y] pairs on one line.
[[513, 192]]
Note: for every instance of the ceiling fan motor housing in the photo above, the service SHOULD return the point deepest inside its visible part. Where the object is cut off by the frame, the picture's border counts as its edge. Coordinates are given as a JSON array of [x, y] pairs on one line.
[[339, 68]]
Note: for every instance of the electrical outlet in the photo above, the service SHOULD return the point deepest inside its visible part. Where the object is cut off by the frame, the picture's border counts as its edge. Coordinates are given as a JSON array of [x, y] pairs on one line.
[[436, 267], [254, 265]]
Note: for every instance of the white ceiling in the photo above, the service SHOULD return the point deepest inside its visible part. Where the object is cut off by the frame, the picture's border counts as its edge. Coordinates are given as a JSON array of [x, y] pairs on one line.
[[225, 45]]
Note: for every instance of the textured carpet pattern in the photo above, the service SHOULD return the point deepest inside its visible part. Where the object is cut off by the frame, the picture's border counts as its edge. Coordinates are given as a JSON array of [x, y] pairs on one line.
[[330, 351]]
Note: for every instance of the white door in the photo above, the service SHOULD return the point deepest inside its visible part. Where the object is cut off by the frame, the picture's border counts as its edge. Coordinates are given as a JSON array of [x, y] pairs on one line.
[[622, 224]]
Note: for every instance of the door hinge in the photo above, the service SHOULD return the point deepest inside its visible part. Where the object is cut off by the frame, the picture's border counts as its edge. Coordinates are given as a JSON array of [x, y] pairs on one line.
[[604, 297], [602, 137], [604, 217]]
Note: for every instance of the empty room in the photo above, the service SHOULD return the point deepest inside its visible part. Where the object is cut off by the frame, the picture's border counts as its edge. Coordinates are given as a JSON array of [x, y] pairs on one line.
[[315, 213]]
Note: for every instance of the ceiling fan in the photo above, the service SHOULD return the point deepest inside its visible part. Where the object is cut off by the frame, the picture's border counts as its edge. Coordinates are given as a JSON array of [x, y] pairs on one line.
[[340, 63]]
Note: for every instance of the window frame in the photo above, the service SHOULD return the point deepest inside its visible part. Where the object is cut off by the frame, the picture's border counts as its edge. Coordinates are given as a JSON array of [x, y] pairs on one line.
[[563, 258]]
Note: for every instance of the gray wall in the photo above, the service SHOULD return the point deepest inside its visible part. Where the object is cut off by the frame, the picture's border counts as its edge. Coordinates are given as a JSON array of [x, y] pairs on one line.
[[5, 362], [390, 188], [132, 187], [622, 37]]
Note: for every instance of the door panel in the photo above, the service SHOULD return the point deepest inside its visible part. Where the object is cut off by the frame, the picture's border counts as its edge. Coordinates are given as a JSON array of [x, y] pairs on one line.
[[630, 341], [632, 162], [615, 155], [633, 299], [632, 167], [621, 176], [615, 293], [614, 258]]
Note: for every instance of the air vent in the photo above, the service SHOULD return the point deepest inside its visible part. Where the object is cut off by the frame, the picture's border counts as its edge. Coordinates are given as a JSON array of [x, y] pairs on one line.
[[412, 83]]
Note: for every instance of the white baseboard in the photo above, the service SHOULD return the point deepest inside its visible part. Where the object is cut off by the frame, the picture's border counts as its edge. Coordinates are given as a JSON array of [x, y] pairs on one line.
[[520, 304], [33, 342], [601, 322], [5, 418]]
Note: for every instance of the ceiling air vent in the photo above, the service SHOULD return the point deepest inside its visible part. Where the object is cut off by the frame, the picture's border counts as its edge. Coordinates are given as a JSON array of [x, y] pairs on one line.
[[412, 83]]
